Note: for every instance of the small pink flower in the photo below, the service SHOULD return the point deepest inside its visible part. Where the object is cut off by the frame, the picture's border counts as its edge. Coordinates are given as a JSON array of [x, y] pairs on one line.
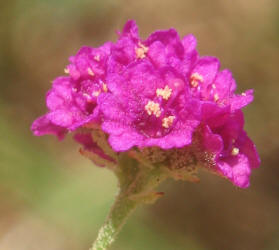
[[235, 154], [72, 101], [147, 106]]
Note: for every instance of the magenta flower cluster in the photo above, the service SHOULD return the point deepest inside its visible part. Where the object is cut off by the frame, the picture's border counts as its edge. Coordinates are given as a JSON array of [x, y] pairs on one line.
[[156, 92]]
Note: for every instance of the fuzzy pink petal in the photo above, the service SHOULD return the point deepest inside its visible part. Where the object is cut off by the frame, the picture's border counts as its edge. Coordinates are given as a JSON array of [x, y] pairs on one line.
[[43, 126]]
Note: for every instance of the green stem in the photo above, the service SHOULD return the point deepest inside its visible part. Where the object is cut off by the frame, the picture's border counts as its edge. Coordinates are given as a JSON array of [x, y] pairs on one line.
[[119, 213], [137, 186]]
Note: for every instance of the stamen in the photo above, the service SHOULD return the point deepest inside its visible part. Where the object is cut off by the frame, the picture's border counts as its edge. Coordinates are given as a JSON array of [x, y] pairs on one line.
[[195, 78], [168, 121], [87, 96], [243, 94], [213, 86], [90, 72], [153, 108], [141, 51], [216, 97], [235, 151], [96, 93], [66, 70], [143, 47], [97, 58], [105, 87], [164, 93]]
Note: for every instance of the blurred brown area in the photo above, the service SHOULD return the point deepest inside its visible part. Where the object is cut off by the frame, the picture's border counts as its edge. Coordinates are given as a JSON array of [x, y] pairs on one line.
[[51, 198]]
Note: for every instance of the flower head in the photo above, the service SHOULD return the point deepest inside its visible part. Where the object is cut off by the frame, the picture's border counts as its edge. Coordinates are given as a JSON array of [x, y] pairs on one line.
[[154, 100]]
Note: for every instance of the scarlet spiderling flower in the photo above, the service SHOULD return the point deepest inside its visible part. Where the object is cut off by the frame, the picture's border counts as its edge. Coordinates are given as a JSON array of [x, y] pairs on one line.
[[157, 103]]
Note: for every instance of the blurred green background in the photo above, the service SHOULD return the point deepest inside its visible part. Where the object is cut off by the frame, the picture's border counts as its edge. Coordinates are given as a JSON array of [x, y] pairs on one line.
[[52, 198]]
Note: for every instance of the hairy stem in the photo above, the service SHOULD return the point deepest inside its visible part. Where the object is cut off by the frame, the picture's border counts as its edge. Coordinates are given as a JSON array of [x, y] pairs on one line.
[[119, 213], [137, 186]]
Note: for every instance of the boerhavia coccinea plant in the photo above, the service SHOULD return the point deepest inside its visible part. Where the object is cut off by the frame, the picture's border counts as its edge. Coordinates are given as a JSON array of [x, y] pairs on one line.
[[150, 110]]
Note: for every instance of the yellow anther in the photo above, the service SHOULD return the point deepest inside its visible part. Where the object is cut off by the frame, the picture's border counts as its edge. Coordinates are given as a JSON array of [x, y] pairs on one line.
[[97, 58], [153, 108], [164, 93], [235, 151], [66, 70], [216, 97], [105, 87], [195, 78], [141, 50], [90, 72], [168, 121], [140, 53], [145, 49], [86, 95], [96, 93], [243, 94]]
